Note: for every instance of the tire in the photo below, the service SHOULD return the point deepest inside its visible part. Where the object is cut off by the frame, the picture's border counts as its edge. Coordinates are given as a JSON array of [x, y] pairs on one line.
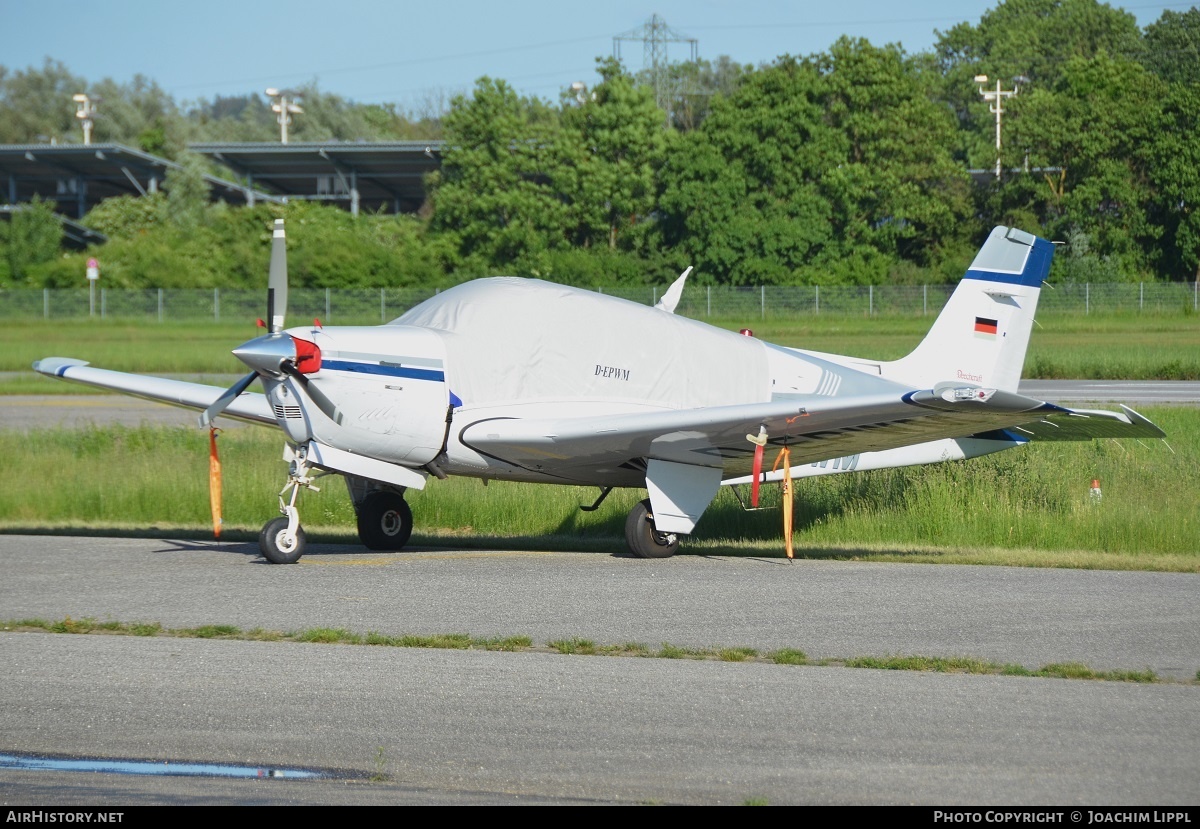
[[385, 521], [643, 539], [269, 542]]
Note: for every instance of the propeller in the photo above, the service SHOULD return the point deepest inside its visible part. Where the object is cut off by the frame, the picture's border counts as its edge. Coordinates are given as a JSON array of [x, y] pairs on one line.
[[271, 355], [318, 397], [277, 284], [218, 406], [277, 353]]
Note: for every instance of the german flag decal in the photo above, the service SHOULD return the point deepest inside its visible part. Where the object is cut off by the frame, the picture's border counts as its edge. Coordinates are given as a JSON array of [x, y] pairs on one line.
[[985, 326]]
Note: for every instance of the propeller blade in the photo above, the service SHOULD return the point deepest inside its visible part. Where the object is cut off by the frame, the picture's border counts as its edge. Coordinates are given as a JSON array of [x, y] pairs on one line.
[[226, 398], [277, 280], [318, 397]]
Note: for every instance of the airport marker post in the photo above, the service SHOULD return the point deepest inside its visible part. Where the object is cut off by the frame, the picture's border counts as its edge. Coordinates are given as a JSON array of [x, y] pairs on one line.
[[93, 274]]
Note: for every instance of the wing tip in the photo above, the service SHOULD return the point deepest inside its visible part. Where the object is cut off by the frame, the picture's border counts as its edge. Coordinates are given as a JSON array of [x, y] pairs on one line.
[[55, 366]]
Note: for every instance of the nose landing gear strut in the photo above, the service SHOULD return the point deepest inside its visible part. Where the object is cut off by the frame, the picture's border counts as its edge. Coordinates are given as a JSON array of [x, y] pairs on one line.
[[282, 540]]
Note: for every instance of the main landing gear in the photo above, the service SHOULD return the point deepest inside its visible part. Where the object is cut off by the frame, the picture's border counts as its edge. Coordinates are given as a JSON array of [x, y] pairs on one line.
[[384, 520], [644, 540]]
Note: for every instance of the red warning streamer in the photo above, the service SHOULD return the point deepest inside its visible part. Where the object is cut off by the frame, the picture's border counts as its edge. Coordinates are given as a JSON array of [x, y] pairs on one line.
[[758, 459]]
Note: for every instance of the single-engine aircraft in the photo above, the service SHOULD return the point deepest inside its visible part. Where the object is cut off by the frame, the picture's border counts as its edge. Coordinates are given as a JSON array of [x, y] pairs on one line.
[[507, 378]]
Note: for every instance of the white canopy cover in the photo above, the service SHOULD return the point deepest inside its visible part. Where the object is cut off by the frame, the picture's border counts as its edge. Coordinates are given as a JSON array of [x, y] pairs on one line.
[[549, 342]]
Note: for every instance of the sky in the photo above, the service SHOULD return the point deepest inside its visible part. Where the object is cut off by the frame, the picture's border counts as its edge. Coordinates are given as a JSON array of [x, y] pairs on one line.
[[415, 54]]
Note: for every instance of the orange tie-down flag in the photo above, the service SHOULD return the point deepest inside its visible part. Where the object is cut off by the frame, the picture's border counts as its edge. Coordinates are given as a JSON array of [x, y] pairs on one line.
[[785, 456], [214, 481]]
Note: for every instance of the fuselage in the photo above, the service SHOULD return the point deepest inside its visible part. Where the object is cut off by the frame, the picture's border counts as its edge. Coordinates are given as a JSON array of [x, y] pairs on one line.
[[411, 391]]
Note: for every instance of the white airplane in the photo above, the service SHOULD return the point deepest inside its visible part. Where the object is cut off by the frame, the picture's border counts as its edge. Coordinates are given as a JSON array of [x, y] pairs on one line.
[[523, 380]]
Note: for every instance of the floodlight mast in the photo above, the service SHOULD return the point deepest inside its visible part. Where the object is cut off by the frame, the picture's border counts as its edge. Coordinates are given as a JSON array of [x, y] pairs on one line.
[[285, 103], [995, 98], [86, 113]]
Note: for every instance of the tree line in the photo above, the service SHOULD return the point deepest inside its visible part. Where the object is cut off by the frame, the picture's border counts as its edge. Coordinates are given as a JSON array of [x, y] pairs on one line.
[[848, 166]]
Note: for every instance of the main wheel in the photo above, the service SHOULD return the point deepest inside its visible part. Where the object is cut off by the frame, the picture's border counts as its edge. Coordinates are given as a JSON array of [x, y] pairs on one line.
[[274, 548], [643, 539], [385, 521]]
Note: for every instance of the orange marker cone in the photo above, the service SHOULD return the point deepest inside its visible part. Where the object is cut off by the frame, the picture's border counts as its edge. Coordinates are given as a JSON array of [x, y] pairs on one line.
[[1096, 494]]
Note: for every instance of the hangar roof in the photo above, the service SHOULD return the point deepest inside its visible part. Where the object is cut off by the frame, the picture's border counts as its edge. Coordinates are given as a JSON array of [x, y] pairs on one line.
[[376, 176], [79, 176]]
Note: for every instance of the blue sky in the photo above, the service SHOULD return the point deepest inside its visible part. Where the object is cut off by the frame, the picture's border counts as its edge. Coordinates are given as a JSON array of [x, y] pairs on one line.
[[410, 53]]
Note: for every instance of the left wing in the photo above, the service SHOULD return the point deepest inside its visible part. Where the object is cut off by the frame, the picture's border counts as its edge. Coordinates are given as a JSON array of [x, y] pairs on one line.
[[814, 428], [251, 407]]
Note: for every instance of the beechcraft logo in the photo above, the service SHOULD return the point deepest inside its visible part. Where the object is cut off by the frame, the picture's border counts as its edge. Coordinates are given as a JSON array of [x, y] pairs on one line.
[[985, 328]]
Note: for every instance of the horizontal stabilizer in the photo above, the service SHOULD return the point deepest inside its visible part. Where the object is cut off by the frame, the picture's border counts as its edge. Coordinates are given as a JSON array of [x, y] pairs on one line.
[[1087, 424]]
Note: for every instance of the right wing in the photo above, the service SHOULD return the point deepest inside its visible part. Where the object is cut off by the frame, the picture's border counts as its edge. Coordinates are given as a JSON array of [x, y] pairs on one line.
[[251, 407], [814, 428]]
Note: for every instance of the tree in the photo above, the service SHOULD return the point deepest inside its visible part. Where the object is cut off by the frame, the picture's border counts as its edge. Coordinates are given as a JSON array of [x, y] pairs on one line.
[[36, 105], [494, 195], [740, 199], [1175, 170], [32, 236], [187, 193], [140, 114], [1030, 39], [692, 85], [1171, 48], [898, 190], [613, 143], [233, 118], [1100, 121], [833, 168]]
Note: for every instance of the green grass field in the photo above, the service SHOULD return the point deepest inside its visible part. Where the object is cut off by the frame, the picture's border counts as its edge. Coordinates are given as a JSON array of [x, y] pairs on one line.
[[1115, 347], [1025, 507], [1028, 507]]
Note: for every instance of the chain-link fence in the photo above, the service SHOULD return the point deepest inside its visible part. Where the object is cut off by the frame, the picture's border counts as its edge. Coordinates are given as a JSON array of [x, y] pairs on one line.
[[376, 305]]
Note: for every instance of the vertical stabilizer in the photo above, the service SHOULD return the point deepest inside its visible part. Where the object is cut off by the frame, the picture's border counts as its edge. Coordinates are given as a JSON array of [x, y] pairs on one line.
[[982, 333]]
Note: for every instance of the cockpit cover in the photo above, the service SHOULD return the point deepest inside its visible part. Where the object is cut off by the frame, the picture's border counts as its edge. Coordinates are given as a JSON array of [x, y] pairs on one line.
[[541, 341]]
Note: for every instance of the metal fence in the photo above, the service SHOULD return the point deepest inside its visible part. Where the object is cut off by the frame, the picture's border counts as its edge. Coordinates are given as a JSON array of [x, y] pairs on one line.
[[377, 305]]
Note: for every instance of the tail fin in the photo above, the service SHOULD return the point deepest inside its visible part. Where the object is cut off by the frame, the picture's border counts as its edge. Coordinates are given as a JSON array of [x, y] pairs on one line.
[[981, 335]]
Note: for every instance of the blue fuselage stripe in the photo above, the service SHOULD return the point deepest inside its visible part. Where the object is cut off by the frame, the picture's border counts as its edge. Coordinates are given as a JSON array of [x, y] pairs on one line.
[[385, 371]]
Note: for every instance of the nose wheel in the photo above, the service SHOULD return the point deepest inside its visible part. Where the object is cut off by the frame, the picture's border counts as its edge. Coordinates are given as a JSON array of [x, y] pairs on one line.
[[280, 545], [282, 540]]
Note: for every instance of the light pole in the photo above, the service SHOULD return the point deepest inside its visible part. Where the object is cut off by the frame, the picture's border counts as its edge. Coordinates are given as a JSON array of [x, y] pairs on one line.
[[284, 107], [85, 113], [995, 97]]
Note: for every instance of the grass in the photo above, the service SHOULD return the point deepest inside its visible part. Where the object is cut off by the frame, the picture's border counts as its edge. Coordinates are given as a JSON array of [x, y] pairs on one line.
[[1027, 507], [1023, 508], [583, 647], [1111, 346]]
